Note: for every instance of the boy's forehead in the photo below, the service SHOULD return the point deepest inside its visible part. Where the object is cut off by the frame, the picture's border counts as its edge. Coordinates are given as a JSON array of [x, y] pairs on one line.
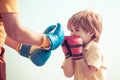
[[74, 27]]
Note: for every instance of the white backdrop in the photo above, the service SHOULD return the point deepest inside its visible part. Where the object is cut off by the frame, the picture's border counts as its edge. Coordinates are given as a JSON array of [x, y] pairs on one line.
[[39, 14]]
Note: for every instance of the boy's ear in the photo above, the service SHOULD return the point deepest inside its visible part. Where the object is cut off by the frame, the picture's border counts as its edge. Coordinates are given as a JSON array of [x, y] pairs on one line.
[[91, 34]]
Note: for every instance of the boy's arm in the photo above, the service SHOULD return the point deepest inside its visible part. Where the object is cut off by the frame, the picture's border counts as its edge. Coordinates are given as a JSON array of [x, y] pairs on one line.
[[68, 67], [68, 64]]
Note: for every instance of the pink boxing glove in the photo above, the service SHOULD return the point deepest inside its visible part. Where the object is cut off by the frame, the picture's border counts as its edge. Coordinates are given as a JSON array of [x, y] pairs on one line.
[[76, 45], [65, 47]]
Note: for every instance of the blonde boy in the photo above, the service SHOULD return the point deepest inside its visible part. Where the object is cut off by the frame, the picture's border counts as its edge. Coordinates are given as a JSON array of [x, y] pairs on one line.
[[90, 66]]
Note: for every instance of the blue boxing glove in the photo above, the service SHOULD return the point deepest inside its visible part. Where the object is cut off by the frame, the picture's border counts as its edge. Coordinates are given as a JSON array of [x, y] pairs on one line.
[[56, 37], [38, 55]]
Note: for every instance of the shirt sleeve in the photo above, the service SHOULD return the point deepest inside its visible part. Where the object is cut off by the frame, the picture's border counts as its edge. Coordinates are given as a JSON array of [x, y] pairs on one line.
[[93, 57]]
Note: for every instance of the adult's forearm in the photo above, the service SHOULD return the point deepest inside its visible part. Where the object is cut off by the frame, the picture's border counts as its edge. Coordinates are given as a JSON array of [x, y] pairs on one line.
[[18, 32]]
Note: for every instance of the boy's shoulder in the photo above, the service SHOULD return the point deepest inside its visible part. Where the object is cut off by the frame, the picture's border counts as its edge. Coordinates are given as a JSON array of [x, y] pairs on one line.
[[92, 47]]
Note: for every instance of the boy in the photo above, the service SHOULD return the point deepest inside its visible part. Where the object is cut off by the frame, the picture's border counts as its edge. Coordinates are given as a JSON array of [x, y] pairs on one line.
[[83, 58]]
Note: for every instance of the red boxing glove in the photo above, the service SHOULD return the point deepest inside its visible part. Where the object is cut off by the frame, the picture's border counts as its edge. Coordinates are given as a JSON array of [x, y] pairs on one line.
[[65, 47], [76, 45]]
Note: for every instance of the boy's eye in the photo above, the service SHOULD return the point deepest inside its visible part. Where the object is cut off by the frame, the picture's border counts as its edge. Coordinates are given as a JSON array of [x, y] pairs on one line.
[[71, 30], [77, 30]]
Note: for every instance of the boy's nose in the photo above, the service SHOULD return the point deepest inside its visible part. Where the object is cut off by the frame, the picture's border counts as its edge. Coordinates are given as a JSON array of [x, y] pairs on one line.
[[73, 34]]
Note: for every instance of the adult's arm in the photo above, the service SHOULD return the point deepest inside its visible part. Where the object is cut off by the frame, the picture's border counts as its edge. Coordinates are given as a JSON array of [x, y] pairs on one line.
[[18, 32]]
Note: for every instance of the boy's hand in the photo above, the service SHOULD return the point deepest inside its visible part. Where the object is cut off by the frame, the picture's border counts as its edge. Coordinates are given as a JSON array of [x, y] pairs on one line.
[[76, 45]]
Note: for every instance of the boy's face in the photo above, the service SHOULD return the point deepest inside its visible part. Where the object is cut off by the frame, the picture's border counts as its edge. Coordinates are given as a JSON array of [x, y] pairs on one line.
[[86, 36]]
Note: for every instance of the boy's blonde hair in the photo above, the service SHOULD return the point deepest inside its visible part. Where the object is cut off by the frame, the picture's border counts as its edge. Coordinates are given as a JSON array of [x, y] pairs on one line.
[[88, 21]]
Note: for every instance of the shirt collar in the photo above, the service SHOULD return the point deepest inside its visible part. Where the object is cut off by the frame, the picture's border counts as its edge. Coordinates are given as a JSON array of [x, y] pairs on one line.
[[88, 45]]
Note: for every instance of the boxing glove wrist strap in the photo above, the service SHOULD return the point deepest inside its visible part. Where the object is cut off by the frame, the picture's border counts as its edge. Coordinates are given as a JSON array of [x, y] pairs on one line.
[[45, 42]]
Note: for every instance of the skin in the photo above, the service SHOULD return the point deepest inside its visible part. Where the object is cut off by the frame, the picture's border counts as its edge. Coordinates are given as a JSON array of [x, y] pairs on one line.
[[68, 67], [16, 31]]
